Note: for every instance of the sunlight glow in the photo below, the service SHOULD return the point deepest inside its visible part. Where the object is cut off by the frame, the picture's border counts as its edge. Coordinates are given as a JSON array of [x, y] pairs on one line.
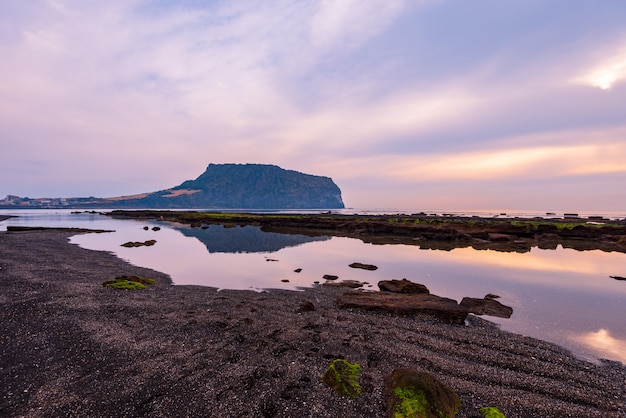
[[604, 343], [607, 74]]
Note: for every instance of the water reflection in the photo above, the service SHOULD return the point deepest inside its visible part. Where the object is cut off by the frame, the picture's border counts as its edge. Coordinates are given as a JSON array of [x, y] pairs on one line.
[[603, 342], [546, 288], [246, 239]]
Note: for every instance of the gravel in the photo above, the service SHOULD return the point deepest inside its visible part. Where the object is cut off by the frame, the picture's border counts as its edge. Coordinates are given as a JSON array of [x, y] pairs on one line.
[[70, 347]]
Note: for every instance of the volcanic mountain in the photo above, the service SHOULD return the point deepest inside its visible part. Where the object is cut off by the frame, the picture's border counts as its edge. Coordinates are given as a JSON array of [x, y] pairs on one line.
[[239, 186]]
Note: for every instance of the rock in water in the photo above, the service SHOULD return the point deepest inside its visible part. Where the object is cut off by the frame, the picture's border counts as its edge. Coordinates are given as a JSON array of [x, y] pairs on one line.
[[402, 286], [487, 306]]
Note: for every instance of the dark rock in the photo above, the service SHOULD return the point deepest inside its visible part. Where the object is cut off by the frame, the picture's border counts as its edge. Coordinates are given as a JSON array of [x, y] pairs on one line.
[[402, 286], [330, 277], [405, 304], [410, 393], [618, 277], [156, 228], [363, 266], [491, 296], [486, 306], [306, 306], [131, 244], [494, 237], [298, 270], [354, 284]]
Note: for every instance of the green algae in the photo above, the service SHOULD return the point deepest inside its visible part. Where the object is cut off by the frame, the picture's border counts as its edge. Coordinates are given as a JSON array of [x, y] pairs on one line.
[[491, 412], [410, 403], [342, 377], [129, 282]]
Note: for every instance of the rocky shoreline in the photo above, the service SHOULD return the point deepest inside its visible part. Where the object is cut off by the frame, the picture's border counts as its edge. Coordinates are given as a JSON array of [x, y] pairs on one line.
[[71, 347], [428, 231]]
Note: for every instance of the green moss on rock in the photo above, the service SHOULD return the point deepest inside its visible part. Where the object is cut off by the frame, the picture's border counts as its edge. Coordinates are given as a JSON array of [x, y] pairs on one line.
[[342, 377], [414, 394], [129, 282], [491, 412]]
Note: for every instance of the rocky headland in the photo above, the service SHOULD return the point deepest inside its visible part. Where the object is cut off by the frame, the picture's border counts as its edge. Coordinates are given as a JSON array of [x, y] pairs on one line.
[[73, 347]]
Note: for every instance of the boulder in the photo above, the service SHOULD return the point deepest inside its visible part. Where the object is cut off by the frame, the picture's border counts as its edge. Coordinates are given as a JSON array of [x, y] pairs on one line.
[[404, 304], [343, 377], [402, 286], [410, 393], [330, 277], [486, 306]]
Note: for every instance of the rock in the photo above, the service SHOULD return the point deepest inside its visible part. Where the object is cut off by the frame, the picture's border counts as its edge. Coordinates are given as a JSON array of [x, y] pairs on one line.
[[131, 244], [156, 228], [306, 306], [345, 283], [487, 306], [363, 266], [404, 304], [402, 286], [618, 277], [409, 393], [330, 277], [342, 377], [491, 296], [494, 237], [298, 270]]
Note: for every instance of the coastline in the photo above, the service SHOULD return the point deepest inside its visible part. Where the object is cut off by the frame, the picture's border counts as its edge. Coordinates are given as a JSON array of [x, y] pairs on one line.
[[74, 348]]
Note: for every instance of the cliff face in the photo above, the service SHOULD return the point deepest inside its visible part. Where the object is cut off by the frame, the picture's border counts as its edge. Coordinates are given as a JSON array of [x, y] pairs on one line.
[[245, 186]]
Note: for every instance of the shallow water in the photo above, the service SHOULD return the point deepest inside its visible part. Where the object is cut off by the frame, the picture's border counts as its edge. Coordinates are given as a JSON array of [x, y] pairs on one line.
[[563, 296]]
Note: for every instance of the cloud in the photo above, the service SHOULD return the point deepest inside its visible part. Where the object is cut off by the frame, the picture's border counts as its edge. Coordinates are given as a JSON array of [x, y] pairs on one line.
[[609, 70]]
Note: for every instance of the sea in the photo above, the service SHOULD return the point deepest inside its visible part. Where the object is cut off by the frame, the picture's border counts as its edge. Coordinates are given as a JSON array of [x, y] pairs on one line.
[[564, 296]]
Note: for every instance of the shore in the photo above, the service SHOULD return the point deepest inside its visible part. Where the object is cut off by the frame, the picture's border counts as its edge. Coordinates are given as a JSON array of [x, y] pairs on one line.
[[71, 347]]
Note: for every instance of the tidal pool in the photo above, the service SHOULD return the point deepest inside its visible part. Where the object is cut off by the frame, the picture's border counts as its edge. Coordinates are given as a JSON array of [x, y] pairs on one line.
[[563, 296]]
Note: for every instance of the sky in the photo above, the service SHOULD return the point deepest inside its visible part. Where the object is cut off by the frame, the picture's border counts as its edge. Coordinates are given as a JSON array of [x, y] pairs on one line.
[[450, 104]]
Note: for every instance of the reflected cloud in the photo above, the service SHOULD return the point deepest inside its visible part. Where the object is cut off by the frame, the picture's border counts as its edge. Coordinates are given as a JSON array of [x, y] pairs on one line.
[[604, 344]]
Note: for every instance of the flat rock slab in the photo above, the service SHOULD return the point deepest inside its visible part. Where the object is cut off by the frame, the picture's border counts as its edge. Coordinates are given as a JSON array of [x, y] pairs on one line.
[[405, 304], [486, 306]]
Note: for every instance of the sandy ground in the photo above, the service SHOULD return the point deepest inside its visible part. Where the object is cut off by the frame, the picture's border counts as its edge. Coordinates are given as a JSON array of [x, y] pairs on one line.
[[72, 348]]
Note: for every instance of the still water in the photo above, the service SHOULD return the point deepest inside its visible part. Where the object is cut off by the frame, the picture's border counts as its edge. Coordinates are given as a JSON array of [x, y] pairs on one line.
[[563, 296]]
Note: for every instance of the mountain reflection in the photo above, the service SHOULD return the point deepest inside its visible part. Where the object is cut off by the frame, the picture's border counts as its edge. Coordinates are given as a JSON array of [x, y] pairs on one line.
[[247, 239]]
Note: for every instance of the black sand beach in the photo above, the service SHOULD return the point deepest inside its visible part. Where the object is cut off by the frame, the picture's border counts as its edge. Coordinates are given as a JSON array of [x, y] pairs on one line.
[[72, 348]]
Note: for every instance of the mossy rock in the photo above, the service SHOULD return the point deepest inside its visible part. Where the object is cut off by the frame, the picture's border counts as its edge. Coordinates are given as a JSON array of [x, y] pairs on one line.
[[491, 412], [412, 394], [129, 282], [342, 376]]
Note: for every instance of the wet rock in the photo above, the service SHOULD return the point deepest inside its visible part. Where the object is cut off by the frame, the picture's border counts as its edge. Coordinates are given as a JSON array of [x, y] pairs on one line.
[[402, 286], [495, 237], [131, 244], [353, 284], [618, 277], [404, 304], [413, 394], [298, 270], [486, 306], [363, 266], [342, 377], [330, 277]]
